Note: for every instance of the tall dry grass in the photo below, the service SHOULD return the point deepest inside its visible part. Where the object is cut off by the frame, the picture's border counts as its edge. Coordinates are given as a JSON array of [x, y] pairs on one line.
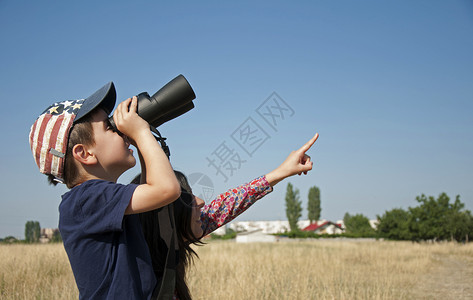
[[325, 269], [36, 272]]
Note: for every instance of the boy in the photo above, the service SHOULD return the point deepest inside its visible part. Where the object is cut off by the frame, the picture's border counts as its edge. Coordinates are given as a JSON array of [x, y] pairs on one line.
[[73, 142]]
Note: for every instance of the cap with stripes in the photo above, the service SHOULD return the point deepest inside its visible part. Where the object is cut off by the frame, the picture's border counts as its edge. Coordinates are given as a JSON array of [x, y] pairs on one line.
[[49, 134]]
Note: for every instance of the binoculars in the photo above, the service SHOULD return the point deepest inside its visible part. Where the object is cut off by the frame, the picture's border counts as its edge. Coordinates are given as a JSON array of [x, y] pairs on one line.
[[171, 101]]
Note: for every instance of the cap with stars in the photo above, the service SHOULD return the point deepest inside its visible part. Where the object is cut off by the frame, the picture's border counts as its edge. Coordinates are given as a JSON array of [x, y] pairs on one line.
[[49, 134]]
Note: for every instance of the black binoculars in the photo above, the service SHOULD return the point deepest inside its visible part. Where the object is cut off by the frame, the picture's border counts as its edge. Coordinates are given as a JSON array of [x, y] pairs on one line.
[[171, 101]]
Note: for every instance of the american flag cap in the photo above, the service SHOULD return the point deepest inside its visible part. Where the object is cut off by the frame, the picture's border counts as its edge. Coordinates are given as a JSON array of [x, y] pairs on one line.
[[49, 134]]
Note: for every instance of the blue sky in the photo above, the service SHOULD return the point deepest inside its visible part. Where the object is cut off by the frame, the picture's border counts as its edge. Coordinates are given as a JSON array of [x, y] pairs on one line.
[[387, 84]]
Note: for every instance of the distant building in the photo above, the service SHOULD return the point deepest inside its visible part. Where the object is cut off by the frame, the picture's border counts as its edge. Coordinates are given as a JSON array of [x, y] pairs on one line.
[[271, 227], [256, 236], [265, 226], [324, 227], [374, 223], [47, 234]]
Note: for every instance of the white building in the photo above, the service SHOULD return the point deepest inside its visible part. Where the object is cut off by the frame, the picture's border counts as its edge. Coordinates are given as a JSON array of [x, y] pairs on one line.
[[270, 227], [255, 236]]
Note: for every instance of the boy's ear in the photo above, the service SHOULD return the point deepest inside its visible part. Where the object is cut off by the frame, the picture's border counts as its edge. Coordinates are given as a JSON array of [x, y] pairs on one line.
[[83, 155]]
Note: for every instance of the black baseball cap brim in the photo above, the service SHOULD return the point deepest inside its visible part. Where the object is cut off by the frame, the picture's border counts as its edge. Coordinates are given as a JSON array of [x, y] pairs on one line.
[[105, 97]]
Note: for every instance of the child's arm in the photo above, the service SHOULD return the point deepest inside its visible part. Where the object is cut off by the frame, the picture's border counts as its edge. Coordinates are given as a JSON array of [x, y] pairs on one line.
[[296, 163], [229, 205], [161, 187]]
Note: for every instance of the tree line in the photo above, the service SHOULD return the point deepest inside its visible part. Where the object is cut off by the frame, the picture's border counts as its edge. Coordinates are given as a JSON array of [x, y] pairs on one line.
[[432, 219], [435, 219], [32, 235]]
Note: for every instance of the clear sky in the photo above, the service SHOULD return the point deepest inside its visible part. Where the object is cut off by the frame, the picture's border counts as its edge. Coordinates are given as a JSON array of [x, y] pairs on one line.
[[387, 84]]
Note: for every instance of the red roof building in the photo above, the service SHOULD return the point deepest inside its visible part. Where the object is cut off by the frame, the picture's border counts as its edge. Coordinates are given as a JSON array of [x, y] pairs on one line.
[[327, 227]]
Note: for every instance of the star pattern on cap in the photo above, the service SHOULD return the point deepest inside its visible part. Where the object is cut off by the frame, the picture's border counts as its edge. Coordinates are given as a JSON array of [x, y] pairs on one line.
[[65, 107], [53, 110], [67, 103]]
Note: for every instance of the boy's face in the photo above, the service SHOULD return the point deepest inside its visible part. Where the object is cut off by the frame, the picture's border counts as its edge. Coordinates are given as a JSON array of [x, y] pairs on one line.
[[112, 150]]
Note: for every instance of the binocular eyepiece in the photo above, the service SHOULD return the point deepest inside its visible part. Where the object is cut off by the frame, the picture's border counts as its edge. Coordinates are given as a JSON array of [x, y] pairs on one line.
[[171, 101]]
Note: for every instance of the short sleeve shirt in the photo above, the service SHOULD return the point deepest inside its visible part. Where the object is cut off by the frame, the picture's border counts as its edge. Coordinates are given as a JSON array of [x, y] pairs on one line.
[[106, 248]]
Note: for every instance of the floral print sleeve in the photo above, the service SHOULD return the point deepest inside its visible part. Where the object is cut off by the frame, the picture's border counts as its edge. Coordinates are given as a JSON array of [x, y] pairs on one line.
[[229, 205]]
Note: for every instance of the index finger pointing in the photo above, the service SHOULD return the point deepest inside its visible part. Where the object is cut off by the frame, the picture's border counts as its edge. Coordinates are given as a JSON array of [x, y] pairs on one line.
[[309, 143]]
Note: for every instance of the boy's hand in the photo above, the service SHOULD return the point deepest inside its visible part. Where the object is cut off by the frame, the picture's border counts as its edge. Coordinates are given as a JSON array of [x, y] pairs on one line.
[[159, 186], [128, 121], [297, 162]]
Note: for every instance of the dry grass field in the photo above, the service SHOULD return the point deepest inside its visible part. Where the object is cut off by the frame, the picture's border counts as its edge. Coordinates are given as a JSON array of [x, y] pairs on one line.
[[306, 269]]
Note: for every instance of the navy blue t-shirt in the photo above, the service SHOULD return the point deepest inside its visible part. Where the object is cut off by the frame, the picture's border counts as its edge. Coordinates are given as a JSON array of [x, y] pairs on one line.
[[106, 248]]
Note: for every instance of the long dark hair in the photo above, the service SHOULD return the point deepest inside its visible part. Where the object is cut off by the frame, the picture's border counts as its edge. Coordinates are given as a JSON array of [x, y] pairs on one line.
[[182, 215]]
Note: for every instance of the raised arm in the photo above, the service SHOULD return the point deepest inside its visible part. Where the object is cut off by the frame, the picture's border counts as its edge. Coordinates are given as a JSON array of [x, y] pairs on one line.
[[161, 187], [229, 205]]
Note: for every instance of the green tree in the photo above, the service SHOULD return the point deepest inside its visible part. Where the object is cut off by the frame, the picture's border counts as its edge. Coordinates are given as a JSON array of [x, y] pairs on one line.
[[293, 207], [57, 238], [439, 219], [429, 219], [394, 225], [32, 231], [358, 225], [460, 226], [9, 239], [432, 219], [459, 221], [313, 204]]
